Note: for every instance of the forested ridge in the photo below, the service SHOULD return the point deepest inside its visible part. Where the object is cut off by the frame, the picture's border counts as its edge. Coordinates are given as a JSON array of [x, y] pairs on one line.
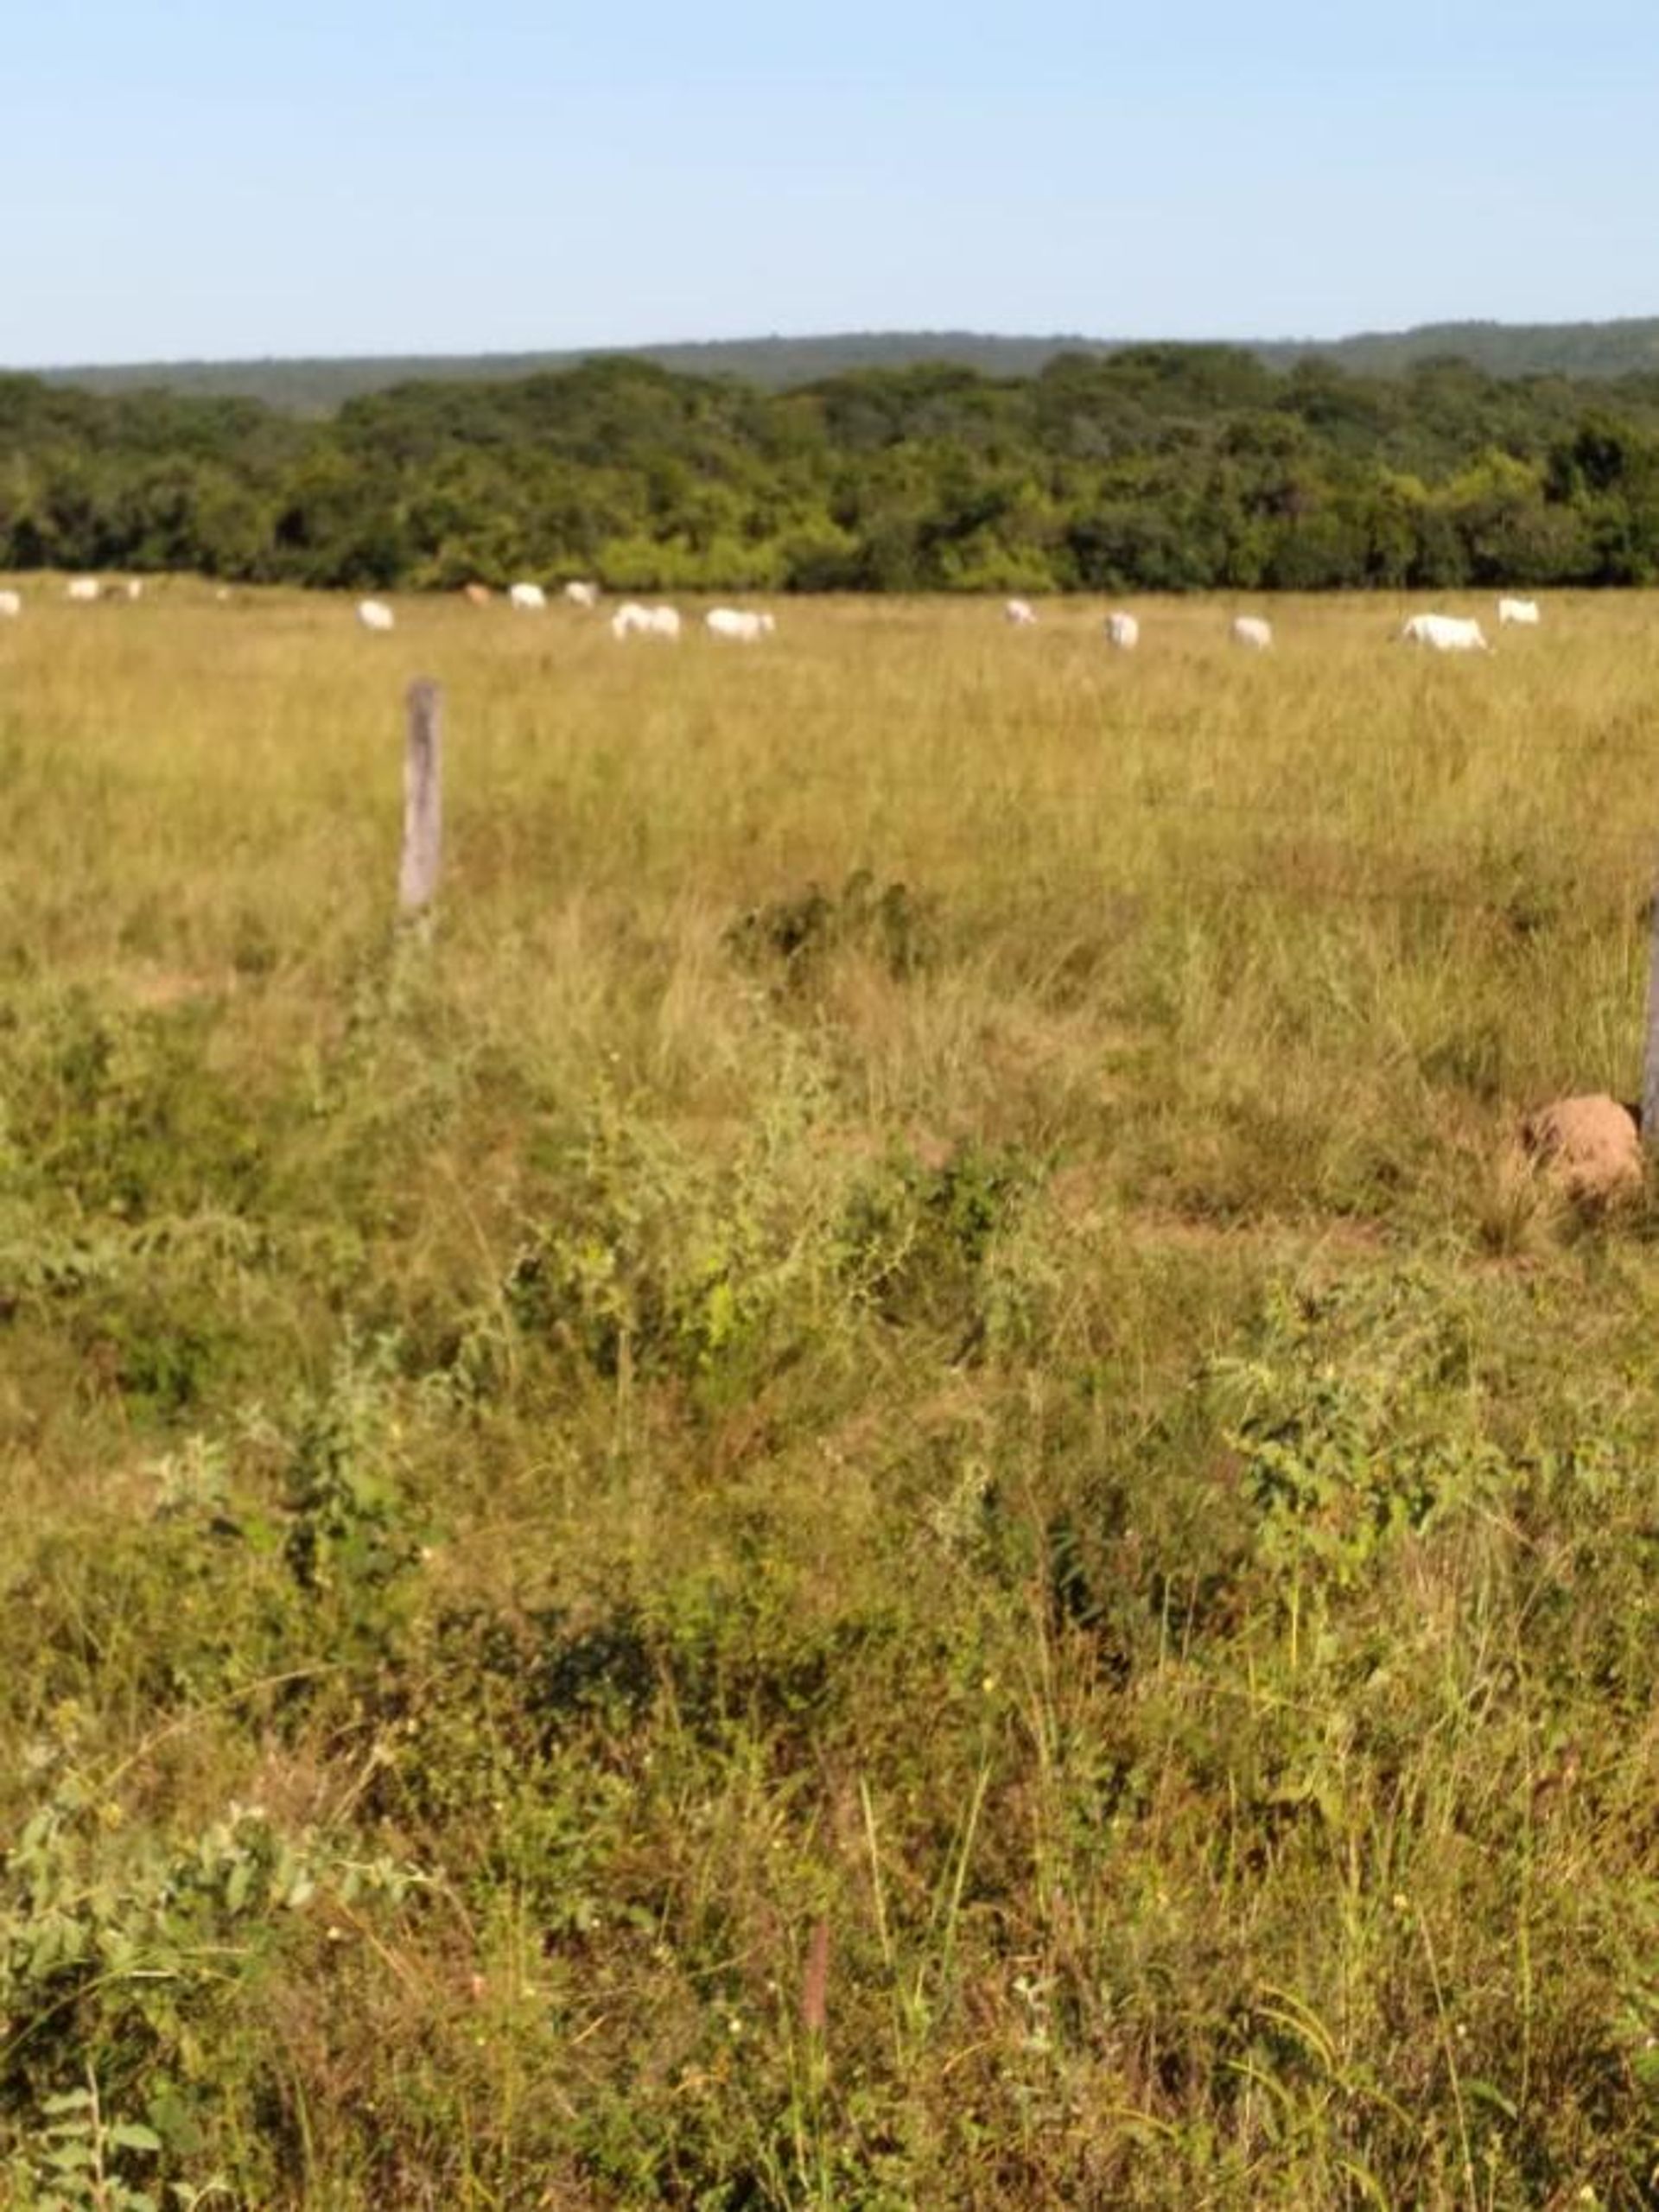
[[1167, 467], [317, 386]]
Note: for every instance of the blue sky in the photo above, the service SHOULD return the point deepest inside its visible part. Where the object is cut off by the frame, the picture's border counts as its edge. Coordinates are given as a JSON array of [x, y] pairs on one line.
[[213, 180]]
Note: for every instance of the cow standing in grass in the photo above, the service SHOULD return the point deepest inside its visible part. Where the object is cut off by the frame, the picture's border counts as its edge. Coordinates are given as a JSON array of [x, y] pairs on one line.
[[734, 622], [633, 621], [1444, 633]]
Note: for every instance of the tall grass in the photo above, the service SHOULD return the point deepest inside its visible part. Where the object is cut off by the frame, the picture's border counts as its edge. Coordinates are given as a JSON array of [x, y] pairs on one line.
[[876, 1494]]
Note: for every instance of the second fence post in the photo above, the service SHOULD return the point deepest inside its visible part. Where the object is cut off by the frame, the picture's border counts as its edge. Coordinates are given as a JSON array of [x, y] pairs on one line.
[[1650, 1043], [417, 878]]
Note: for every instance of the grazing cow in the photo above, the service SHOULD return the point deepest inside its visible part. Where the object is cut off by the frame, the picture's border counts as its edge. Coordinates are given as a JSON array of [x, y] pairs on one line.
[[1522, 611], [630, 620], [11, 606], [733, 622], [134, 588], [82, 589], [477, 594], [1444, 633], [529, 598], [1020, 613], [582, 594], [375, 614], [1250, 630], [1123, 631]]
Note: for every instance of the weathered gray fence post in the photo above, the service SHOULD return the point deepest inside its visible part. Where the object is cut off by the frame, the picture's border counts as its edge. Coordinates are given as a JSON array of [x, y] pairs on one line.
[[1650, 1054], [417, 878]]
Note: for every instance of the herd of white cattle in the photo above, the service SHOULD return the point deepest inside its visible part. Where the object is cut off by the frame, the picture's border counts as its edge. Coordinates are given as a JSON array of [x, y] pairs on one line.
[[630, 620], [1441, 634], [83, 590]]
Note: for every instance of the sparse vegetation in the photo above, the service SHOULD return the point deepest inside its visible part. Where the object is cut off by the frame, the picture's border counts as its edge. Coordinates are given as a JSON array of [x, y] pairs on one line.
[[883, 1492]]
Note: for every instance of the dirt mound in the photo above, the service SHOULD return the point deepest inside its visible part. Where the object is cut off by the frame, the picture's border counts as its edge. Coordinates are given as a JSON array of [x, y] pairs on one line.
[[1589, 1148]]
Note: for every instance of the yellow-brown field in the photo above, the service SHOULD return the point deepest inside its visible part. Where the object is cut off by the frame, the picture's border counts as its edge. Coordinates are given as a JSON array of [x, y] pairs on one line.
[[185, 767], [912, 1326]]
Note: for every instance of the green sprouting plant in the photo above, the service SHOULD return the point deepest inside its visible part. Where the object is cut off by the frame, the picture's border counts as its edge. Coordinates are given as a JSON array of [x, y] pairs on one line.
[[75, 2162], [1346, 1436], [122, 1944], [667, 1262], [128, 1111], [920, 1242], [348, 1524]]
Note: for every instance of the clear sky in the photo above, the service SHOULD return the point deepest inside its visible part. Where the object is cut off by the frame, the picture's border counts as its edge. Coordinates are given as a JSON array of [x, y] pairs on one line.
[[194, 178]]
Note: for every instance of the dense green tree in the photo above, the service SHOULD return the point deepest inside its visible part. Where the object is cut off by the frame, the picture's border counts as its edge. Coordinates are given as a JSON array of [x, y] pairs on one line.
[[1156, 468]]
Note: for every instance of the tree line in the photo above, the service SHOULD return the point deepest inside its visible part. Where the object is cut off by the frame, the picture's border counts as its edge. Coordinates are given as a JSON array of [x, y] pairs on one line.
[[1166, 469], [319, 385]]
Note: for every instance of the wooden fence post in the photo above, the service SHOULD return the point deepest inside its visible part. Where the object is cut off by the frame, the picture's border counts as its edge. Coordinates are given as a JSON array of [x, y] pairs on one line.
[[1650, 1052], [417, 878]]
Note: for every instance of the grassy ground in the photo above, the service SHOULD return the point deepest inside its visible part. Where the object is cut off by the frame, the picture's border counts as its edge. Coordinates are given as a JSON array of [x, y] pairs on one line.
[[875, 1495]]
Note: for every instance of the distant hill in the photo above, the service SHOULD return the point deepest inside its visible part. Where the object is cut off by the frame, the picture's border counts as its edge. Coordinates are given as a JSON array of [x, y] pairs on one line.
[[316, 387], [1503, 349], [319, 387]]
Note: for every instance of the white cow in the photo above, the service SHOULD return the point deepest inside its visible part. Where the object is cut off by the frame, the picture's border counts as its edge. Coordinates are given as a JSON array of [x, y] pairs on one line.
[[1020, 612], [630, 620], [375, 614], [134, 588], [733, 622], [11, 606], [82, 589], [582, 594], [1522, 611], [529, 598], [1250, 630], [1444, 633], [1123, 631]]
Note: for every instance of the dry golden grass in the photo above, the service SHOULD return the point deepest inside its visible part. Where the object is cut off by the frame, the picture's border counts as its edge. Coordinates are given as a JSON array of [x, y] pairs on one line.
[[895, 1413], [1372, 899]]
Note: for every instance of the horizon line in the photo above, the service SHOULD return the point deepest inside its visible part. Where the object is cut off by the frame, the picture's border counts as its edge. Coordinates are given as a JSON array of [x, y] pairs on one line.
[[1058, 339]]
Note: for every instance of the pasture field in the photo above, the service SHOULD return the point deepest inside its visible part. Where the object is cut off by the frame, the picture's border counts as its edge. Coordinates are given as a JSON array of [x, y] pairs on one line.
[[878, 1492]]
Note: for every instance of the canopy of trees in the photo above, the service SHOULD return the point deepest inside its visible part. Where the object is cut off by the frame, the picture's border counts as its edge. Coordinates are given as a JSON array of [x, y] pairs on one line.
[[1168, 467]]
